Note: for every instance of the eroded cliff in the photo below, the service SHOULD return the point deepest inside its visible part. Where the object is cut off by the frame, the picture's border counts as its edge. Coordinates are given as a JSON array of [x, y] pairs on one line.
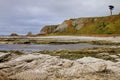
[[91, 25]]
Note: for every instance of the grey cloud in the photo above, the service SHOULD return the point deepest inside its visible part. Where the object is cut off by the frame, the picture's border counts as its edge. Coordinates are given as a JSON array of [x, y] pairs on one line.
[[37, 13]]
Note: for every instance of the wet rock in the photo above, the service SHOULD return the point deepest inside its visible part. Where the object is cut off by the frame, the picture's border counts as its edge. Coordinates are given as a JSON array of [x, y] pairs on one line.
[[4, 56]]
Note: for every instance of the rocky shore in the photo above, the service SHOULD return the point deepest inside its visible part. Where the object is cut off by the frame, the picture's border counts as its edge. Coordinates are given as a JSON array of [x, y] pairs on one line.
[[60, 40], [86, 64], [37, 66]]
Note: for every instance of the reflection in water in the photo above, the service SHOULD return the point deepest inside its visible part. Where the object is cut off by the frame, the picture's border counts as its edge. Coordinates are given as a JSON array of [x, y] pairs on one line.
[[42, 47]]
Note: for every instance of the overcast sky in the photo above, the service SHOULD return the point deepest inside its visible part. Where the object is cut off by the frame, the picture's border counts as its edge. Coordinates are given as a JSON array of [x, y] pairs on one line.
[[22, 16]]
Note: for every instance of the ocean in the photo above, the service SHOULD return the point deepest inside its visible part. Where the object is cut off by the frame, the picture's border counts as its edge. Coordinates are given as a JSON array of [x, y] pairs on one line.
[[7, 30]]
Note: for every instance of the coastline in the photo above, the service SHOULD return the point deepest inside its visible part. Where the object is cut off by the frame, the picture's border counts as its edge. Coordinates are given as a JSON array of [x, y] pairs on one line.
[[57, 39], [88, 63]]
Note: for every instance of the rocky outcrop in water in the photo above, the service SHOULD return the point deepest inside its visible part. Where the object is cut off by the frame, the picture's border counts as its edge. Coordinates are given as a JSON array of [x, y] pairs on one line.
[[38, 66]]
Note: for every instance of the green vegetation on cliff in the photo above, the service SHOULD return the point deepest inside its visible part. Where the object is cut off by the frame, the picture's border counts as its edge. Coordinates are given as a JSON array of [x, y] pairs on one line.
[[85, 26], [103, 25]]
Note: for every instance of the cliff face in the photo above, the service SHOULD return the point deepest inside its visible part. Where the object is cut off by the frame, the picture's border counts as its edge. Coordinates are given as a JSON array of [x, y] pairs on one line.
[[48, 29], [92, 25]]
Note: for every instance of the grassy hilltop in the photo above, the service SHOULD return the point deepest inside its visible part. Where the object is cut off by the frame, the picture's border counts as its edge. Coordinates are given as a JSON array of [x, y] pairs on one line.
[[109, 25]]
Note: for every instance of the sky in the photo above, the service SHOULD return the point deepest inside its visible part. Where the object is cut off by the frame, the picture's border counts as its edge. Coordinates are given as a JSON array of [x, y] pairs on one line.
[[23, 16]]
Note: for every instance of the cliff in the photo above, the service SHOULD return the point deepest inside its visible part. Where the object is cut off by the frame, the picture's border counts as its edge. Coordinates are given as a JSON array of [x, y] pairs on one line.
[[91, 25], [48, 29]]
